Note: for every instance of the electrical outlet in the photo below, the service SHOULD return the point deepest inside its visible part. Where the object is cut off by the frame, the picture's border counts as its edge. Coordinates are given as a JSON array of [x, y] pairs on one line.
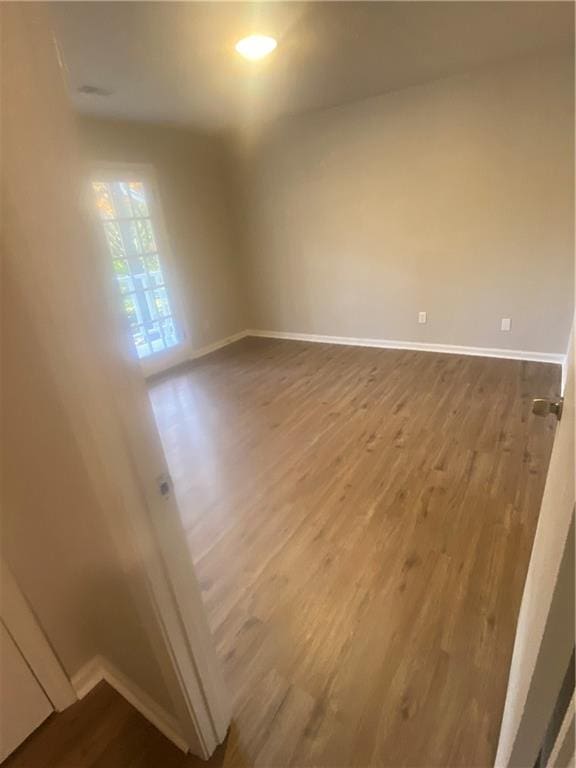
[[505, 324], [422, 317]]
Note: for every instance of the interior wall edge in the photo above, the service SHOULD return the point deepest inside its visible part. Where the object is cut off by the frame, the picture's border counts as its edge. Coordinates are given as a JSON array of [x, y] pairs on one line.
[[99, 668]]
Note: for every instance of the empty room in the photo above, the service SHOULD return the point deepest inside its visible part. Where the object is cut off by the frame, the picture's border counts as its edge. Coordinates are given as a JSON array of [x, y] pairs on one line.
[[288, 351]]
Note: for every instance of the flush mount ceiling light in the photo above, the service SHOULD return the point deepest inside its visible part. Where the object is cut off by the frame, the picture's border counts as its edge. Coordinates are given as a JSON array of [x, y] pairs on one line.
[[255, 47]]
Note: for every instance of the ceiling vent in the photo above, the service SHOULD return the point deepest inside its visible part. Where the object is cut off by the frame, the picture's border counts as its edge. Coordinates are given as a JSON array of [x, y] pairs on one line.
[[93, 90]]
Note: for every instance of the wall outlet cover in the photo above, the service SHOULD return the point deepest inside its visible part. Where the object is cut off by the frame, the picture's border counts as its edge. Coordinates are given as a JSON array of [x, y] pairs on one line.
[[422, 317], [505, 324]]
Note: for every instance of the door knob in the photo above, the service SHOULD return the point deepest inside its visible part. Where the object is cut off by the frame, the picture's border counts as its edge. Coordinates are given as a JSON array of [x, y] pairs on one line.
[[541, 406]]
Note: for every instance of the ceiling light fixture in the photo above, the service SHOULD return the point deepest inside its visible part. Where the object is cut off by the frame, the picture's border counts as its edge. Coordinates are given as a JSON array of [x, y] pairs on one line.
[[255, 47]]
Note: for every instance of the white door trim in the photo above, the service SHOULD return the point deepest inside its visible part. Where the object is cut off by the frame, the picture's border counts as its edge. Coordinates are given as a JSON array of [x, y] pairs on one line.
[[32, 643], [545, 630]]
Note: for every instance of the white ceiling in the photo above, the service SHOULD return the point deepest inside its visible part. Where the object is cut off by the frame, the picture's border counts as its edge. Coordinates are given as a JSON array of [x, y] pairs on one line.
[[175, 61]]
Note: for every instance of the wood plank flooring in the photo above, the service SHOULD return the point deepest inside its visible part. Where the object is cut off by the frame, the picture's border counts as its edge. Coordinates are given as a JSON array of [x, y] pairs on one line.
[[361, 523], [102, 731]]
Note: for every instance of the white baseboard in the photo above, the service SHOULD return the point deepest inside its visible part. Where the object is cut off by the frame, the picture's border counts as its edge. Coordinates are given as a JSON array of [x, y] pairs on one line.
[[99, 668], [352, 341], [178, 357], [451, 349], [88, 676], [217, 345]]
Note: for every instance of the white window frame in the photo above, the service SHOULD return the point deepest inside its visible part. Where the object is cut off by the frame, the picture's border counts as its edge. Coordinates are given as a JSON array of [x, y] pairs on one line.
[[145, 173]]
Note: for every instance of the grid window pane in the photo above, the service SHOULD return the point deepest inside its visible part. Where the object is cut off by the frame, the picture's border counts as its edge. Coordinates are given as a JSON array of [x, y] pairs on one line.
[[123, 277], [121, 268], [143, 349], [155, 338], [169, 331], [138, 198], [146, 235], [140, 273], [145, 306], [132, 309], [129, 231], [114, 239], [151, 306], [104, 200], [161, 302], [121, 199], [154, 270], [125, 283]]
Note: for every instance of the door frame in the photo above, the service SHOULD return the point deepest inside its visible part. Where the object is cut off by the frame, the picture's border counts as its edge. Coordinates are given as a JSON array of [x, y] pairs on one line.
[[542, 647], [201, 698], [563, 748], [27, 634]]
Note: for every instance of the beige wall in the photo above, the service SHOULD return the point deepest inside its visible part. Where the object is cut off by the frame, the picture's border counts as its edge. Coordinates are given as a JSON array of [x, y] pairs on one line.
[[53, 536], [62, 515], [453, 197], [192, 170]]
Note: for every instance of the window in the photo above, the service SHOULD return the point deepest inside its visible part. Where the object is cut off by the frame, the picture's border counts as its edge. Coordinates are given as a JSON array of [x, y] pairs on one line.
[[124, 207]]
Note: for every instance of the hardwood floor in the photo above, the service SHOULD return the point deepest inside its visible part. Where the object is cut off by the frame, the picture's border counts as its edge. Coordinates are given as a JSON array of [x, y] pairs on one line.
[[102, 731], [361, 523]]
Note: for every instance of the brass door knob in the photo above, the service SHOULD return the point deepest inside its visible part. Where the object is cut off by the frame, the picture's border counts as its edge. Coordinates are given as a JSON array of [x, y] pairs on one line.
[[541, 406]]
